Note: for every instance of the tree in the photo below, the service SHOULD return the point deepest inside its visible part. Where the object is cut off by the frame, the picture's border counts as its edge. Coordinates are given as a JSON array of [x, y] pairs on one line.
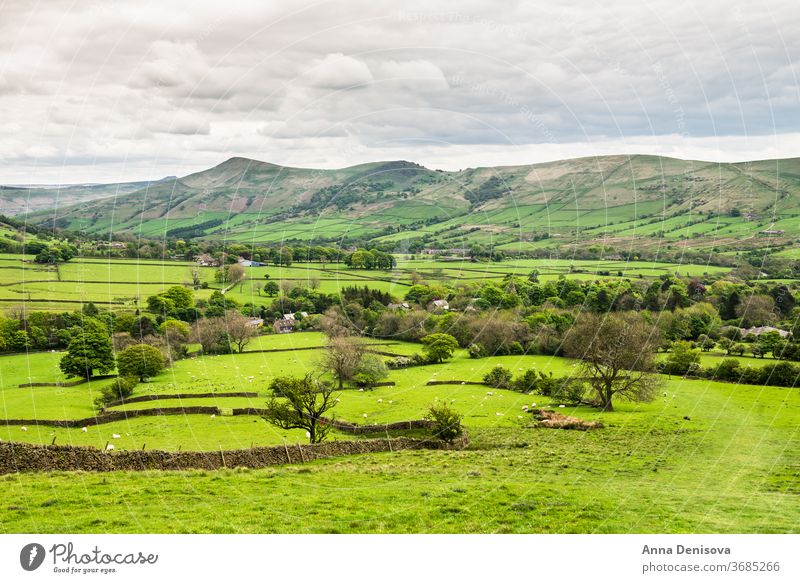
[[617, 355], [302, 405], [88, 351], [439, 347], [705, 342], [371, 370], [343, 358], [235, 274], [682, 359], [239, 329], [140, 360], [271, 288], [769, 342], [211, 335], [756, 310]]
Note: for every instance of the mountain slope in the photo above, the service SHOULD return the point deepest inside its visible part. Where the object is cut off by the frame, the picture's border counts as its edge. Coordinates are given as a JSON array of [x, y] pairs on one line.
[[16, 200], [610, 199]]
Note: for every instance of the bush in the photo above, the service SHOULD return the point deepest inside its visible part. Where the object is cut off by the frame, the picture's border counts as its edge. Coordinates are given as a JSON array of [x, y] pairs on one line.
[[475, 351], [119, 389], [683, 359], [727, 370], [528, 381], [446, 422], [399, 362], [569, 391], [499, 377]]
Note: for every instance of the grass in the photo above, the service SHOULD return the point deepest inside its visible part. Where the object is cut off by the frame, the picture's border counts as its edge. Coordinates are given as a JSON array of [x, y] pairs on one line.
[[126, 283], [649, 470], [703, 457]]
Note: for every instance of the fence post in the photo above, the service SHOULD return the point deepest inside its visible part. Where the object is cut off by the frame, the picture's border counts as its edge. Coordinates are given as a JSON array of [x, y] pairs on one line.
[[288, 457]]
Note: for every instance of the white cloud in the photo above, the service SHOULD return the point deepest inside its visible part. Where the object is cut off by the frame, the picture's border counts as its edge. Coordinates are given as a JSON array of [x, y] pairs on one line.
[[338, 71]]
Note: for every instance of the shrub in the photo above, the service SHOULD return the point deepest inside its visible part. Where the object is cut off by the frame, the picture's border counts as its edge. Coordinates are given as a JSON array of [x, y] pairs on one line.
[[682, 359], [399, 362], [446, 421], [475, 351], [727, 370], [528, 381], [371, 371], [119, 389], [568, 391], [499, 377]]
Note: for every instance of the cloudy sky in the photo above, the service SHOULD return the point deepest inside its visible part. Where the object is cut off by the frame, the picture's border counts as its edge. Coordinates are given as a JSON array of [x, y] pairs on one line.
[[108, 90]]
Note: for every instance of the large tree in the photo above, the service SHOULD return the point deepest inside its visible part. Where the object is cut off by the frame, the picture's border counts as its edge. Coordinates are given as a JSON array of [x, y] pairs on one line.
[[343, 358], [617, 353], [300, 403], [88, 351], [239, 328], [140, 360], [439, 347], [210, 333]]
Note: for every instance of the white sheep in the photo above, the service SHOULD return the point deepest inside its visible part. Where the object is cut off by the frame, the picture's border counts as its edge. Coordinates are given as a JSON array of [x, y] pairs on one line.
[[23, 428], [109, 447], [115, 436], [84, 429]]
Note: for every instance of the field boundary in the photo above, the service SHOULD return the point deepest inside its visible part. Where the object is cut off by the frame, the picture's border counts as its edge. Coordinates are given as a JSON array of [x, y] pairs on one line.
[[114, 416], [159, 397], [25, 457], [456, 382], [68, 383]]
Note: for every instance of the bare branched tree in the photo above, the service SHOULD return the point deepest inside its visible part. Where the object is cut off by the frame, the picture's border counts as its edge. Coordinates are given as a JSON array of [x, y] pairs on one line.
[[342, 358], [617, 355]]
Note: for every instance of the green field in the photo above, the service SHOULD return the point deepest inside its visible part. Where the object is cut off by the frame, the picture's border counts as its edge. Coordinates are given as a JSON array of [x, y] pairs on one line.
[[126, 283], [704, 457]]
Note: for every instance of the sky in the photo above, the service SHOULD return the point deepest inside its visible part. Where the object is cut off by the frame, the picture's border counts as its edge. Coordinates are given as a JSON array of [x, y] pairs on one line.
[[109, 90]]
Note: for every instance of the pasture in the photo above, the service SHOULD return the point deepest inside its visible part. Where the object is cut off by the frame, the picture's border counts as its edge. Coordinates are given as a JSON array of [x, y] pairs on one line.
[[704, 457], [126, 283]]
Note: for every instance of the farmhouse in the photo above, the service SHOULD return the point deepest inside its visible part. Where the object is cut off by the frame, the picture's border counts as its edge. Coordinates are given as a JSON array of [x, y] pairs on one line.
[[759, 330], [256, 322], [249, 263], [403, 306], [285, 325], [206, 260], [288, 323]]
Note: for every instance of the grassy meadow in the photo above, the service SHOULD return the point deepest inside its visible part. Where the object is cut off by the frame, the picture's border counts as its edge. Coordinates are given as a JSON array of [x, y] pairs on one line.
[[704, 457], [125, 284]]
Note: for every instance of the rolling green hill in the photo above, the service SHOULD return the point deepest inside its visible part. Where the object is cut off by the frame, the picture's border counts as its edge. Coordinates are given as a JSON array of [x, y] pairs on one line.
[[18, 200], [614, 200]]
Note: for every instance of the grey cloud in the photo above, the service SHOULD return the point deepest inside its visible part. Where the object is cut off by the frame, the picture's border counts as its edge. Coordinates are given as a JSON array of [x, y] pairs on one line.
[[309, 80]]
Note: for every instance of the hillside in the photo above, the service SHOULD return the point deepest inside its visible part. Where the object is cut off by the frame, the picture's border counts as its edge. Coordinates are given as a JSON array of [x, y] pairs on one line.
[[17, 200], [615, 200]]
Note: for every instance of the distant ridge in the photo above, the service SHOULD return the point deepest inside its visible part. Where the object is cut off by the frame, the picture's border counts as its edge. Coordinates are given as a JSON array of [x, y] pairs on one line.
[[610, 199]]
